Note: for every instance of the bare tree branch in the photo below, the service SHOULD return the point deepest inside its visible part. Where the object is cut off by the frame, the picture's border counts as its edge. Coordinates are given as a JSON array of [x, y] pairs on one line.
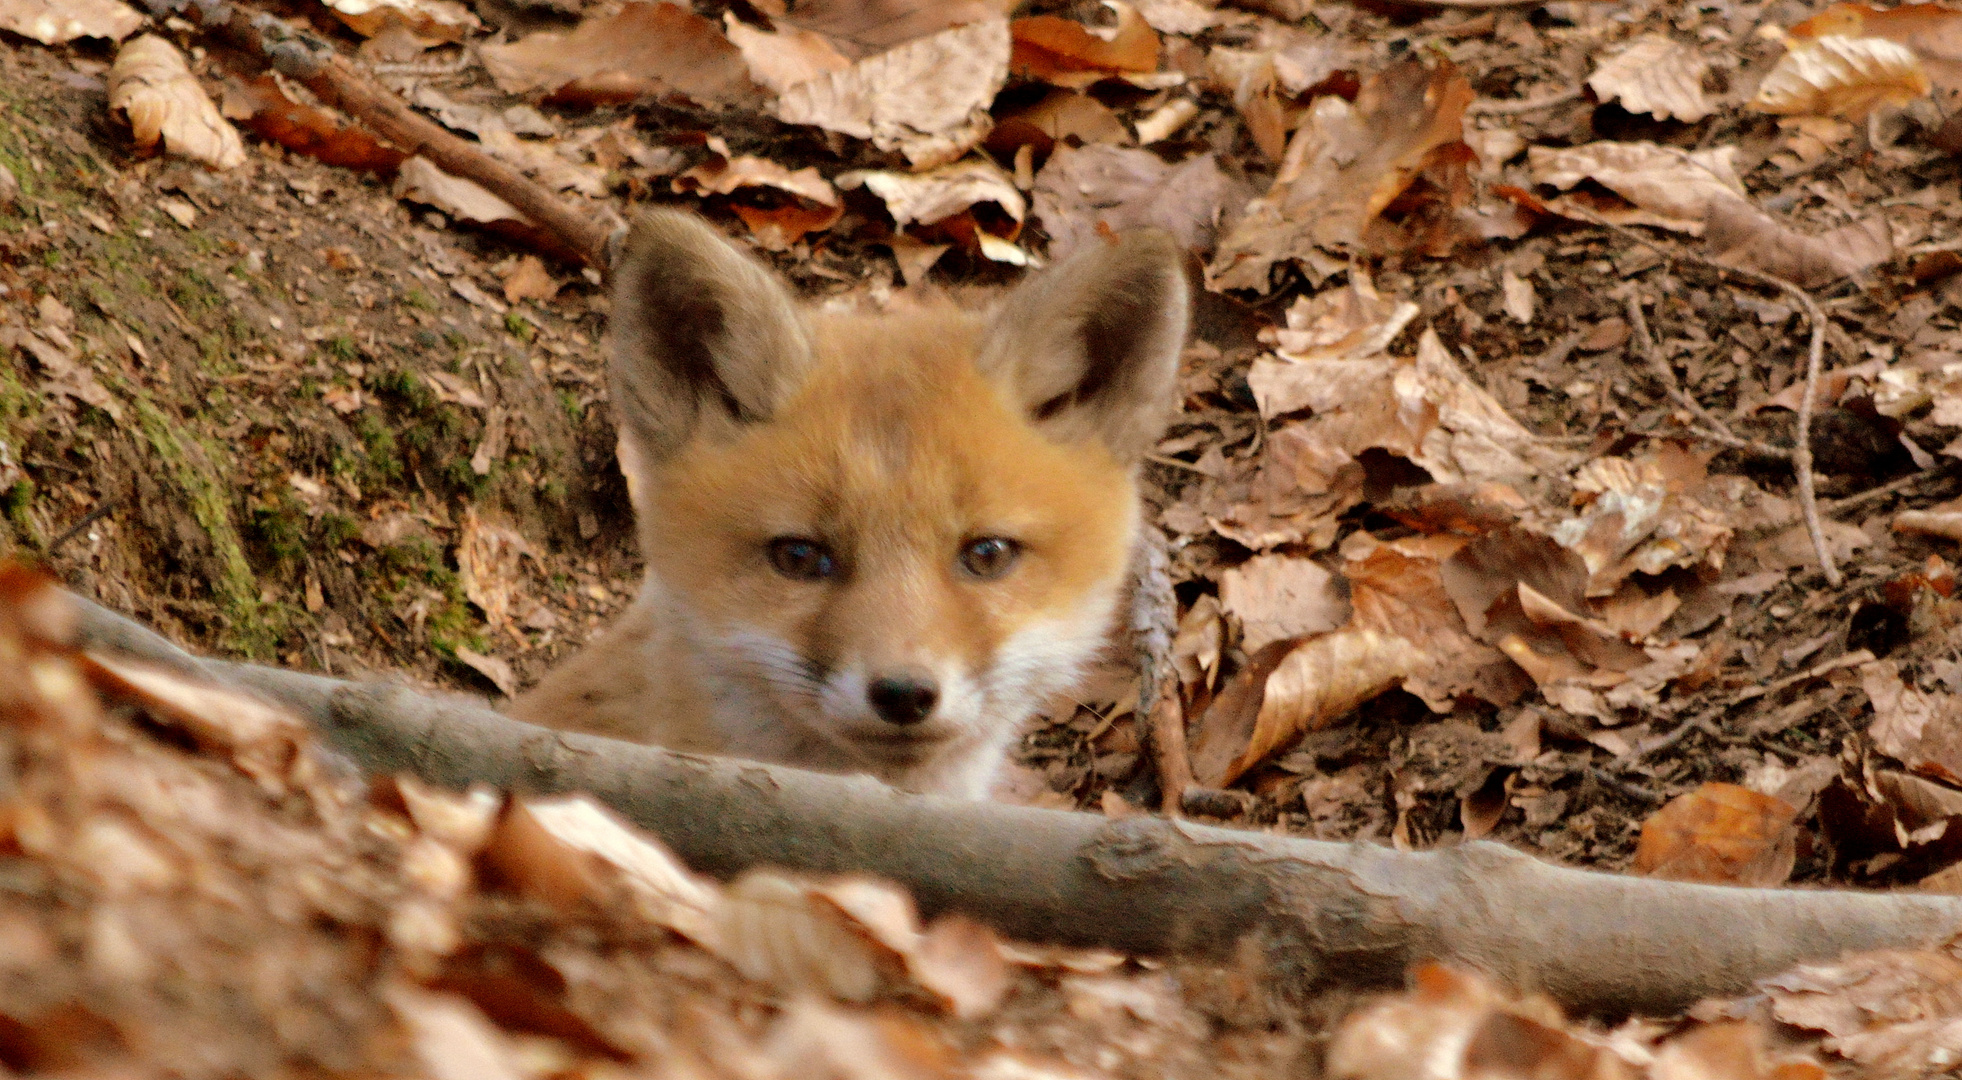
[[1313, 912]]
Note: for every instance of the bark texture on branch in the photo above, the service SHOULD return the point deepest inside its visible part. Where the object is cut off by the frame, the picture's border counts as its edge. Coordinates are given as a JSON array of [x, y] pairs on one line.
[[1315, 911]]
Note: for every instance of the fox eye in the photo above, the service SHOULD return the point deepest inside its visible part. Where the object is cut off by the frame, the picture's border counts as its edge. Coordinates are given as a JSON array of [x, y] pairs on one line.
[[989, 557], [802, 559]]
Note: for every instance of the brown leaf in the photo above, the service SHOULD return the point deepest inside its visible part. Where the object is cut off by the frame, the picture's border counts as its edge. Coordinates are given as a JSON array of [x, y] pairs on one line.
[[644, 49], [1655, 75], [1667, 186], [1344, 169], [1922, 730], [780, 59], [151, 86], [1841, 76], [57, 22], [927, 99], [1739, 234], [795, 203], [1219, 736], [430, 22], [1722, 834], [529, 280], [488, 565], [864, 27], [1397, 589], [263, 105], [1891, 1011], [1064, 52], [1277, 596], [1084, 194], [1319, 682]]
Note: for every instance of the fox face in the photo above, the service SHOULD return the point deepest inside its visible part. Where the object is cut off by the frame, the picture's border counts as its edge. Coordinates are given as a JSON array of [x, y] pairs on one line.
[[881, 543]]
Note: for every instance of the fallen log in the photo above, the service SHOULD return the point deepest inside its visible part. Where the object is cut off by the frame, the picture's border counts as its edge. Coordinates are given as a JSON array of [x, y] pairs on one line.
[[1309, 912]]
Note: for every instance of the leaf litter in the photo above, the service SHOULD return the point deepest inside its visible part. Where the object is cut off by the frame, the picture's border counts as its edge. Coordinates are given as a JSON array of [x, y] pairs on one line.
[[1494, 518]]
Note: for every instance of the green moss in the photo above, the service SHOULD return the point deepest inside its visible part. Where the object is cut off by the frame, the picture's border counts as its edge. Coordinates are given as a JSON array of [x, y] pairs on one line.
[[418, 299], [254, 628], [195, 293], [569, 401], [280, 519], [338, 529], [449, 624], [342, 347], [16, 500], [384, 456], [519, 327]]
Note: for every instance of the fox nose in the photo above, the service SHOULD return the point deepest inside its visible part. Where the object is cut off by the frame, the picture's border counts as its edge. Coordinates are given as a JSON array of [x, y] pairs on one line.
[[903, 699]]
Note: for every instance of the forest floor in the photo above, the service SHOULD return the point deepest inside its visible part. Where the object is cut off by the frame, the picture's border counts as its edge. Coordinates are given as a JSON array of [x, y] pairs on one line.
[[283, 414]]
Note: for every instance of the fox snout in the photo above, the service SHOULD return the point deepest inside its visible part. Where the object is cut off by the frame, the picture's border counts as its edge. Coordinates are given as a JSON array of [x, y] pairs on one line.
[[904, 698]]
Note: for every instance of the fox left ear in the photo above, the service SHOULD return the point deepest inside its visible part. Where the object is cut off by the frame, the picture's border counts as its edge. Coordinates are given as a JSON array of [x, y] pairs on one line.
[[1091, 346]]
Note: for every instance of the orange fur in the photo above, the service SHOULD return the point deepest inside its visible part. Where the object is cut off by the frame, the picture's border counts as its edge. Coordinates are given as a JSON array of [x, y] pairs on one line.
[[892, 441]]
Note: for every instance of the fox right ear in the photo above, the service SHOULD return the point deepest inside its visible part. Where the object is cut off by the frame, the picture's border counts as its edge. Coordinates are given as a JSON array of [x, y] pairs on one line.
[[703, 337]]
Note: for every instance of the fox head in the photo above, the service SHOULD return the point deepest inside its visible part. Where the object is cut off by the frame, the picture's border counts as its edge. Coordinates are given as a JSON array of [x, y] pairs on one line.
[[891, 538]]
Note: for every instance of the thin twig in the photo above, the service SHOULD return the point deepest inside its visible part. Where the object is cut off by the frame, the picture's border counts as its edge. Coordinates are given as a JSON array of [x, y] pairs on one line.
[[1852, 659], [1892, 487], [1715, 429], [1801, 453], [88, 519]]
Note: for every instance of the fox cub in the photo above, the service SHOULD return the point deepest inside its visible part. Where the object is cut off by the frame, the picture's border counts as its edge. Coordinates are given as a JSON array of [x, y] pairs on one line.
[[874, 543]]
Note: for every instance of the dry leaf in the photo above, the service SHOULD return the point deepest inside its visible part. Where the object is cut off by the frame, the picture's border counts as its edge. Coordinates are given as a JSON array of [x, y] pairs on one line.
[[1277, 596], [1841, 76], [1722, 834], [1894, 1012], [495, 668], [780, 59], [1669, 187], [488, 565], [57, 22], [928, 99], [1319, 682], [1453, 1025], [1064, 52], [936, 195], [150, 84], [801, 201], [864, 27], [1060, 116], [261, 739], [263, 105], [529, 280], [452, 1039], [430, 22], [1353, 323], [1196, 648], [421, 181], [1655, 75], [1397, 589], [1087, 193], [1345, 167], [572, 851], [1739, 234], [1920, 729], [1647, 513], [644, 49]]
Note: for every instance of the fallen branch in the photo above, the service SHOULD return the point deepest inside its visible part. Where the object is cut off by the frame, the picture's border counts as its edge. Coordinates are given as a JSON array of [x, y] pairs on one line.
[[1311, 912], [311, 60]]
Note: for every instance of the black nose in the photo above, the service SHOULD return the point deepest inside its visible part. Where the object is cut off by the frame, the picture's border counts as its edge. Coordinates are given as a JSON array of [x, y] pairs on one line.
[[903, 699]]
